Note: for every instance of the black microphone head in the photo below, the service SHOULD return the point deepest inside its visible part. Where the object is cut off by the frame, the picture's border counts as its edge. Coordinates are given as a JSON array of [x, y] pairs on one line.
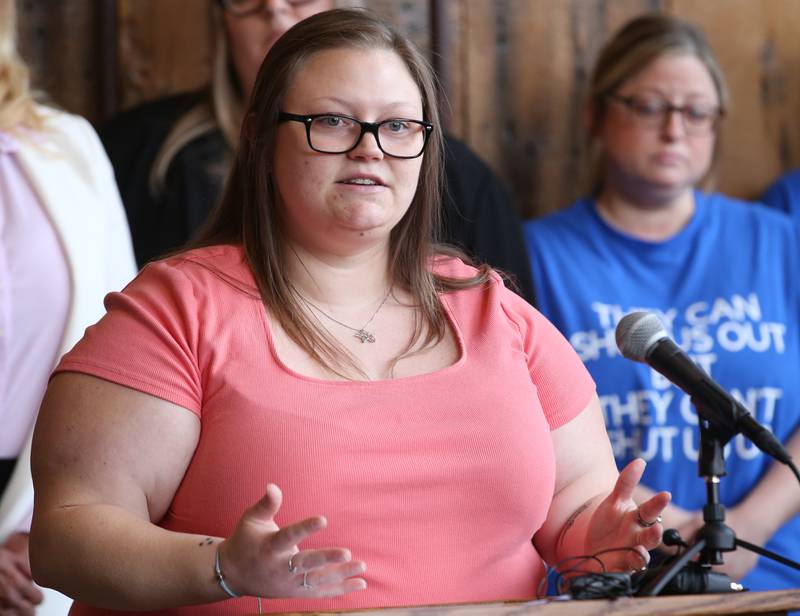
[[637, 333]]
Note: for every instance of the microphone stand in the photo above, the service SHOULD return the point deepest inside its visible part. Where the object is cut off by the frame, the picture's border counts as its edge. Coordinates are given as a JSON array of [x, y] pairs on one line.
[[713, 538]]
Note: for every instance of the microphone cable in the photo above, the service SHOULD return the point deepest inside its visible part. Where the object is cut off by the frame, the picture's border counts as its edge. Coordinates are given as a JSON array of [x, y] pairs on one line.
[[582, 583]]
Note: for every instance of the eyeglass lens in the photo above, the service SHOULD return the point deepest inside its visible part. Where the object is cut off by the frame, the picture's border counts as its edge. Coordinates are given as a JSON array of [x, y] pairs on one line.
[[396, 137], [243, 8], [655, 112]]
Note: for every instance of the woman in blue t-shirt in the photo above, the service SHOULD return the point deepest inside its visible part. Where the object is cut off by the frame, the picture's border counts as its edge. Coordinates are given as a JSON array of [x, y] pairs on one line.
[[720, 273]]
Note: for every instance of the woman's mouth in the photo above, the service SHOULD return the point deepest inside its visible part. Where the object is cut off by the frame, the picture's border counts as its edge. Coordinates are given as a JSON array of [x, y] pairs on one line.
[[362, 180]]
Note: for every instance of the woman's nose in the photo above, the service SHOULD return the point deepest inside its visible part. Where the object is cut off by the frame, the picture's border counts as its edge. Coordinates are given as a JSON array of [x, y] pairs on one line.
[[367, 147]]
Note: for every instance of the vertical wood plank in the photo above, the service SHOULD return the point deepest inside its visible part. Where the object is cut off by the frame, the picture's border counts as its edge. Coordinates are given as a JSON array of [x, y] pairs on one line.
[[520, 73], [164, 47], [59, 42], [760, 60]]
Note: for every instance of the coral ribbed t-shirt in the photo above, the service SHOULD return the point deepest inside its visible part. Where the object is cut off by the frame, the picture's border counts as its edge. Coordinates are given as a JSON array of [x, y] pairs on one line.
[[437, 481]]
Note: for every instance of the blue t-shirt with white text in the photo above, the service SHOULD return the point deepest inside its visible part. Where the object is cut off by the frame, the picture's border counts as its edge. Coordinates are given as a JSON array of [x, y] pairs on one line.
[[726, 289]]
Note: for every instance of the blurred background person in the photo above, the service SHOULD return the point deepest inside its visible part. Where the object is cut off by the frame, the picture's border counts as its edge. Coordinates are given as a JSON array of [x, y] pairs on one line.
[[171, 156], [316, 339], [784, 194], [63, 244], [722, 274]]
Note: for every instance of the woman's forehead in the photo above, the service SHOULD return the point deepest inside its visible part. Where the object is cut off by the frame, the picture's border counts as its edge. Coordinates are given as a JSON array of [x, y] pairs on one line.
[[679, 70], [358, 76]]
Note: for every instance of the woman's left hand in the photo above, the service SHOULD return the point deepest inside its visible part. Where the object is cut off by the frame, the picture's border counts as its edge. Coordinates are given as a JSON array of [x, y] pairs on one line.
[[618, 523]]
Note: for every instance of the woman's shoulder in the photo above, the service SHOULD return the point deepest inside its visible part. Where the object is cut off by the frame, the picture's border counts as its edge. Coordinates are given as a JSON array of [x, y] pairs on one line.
[[52, 116], [492, 290], [562, 227], [66, 136], [62, 126], [790, 179], [453, 266], [784, 193], [208, 270], [740, 211], [153, 116], [457, 267], [563, 218], [145, 126]]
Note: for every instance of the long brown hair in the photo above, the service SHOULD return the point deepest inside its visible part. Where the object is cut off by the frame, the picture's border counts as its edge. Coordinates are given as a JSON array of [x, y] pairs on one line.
[[248, 213], [638, 43]]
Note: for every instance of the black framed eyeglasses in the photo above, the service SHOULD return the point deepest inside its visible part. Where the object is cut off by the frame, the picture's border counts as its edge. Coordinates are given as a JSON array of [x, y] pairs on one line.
[[330, 133], [654, 112], [243, 8]]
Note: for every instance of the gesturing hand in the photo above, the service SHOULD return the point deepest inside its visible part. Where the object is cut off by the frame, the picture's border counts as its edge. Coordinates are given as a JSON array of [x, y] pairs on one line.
[[618, 523], [261, 559]]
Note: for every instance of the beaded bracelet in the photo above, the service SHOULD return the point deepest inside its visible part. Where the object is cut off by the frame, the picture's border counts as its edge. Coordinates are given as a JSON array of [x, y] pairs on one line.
[[221, 578]]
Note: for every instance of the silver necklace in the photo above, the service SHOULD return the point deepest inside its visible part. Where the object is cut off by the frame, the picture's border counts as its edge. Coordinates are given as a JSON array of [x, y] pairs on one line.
[[360, 332]]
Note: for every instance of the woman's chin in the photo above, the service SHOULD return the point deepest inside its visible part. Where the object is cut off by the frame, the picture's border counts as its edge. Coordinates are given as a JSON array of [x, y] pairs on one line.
[[670, 182], [370, 219], [367, 228]]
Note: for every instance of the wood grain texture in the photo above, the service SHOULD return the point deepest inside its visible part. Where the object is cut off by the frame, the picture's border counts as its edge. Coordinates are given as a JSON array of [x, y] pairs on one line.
[[163, 47], [763, 603], [527, 63], [515, 74], [60, 43]]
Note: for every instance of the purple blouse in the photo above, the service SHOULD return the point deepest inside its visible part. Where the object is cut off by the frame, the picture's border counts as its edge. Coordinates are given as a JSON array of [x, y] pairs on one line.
[[34, 299]]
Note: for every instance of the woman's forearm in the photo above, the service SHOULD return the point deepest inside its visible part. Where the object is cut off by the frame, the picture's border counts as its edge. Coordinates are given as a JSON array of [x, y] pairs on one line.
[[772, 502], [125, 562], [571, 542]]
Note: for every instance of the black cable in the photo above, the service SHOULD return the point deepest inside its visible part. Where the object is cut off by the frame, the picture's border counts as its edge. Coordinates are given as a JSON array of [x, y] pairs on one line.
[[601, 586], [583, 583], [559, 575], [793, 466]]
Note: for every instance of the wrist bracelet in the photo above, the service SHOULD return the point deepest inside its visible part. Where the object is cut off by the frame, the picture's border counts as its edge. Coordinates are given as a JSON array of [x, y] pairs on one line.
[[221, 578]]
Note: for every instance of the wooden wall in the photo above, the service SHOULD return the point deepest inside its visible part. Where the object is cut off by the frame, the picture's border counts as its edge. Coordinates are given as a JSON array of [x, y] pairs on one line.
[[521, 105], [514, 71], [61, 42]]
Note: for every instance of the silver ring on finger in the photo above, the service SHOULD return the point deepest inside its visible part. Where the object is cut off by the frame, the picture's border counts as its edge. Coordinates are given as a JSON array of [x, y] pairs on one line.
[[305, 583], [644, 523], [292, 566]]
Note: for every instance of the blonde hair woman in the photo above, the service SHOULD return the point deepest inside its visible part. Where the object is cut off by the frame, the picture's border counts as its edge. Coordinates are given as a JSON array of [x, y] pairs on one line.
[[171, 156], [720, 272], [63, 244]]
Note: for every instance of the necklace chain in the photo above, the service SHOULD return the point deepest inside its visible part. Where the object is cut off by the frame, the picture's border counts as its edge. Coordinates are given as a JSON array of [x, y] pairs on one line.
[[360, 332]]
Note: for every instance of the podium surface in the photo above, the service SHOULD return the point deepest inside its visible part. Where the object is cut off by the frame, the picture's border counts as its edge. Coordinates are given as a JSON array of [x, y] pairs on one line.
[[764, 603]]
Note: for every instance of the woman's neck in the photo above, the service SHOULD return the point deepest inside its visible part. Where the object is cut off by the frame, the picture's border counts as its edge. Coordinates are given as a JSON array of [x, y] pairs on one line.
[[646, 217], [338, 280]]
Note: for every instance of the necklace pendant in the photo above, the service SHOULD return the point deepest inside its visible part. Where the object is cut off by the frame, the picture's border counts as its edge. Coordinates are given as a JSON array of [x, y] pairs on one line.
[[364, 336]]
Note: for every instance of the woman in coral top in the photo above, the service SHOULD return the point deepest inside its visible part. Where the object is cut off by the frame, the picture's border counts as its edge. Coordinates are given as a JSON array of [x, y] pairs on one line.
[[434, 438]]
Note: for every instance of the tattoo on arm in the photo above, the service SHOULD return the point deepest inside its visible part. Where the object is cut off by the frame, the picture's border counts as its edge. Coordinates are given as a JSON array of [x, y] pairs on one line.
[[571, 521], [206, 541]]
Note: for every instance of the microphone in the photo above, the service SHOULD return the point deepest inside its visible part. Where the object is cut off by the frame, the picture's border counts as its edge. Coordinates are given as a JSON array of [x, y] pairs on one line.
[[692, 579], [642, 337]]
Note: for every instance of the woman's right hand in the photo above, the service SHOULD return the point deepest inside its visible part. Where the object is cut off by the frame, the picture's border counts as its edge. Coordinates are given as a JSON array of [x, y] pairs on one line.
[[261, 559]]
